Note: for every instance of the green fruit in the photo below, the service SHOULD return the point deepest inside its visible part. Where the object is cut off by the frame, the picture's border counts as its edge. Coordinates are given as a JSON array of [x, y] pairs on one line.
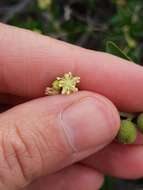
[[140, 122], [56, 86], [127, 133]]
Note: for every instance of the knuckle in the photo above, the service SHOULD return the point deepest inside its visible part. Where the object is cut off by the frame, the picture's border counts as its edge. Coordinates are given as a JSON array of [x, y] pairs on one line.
[[51, 140], [30, 149], [13, 171], [19, 157]]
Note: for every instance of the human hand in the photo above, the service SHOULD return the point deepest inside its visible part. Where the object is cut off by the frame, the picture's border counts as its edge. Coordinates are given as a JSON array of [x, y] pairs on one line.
[[51, 136]]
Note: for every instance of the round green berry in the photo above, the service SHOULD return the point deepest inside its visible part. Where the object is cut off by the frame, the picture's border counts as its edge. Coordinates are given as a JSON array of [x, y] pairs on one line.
[[140, 122], [127, 133], [56, 86]]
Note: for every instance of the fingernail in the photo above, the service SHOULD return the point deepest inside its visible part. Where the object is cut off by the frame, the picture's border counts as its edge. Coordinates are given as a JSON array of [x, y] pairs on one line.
[[89, 123]]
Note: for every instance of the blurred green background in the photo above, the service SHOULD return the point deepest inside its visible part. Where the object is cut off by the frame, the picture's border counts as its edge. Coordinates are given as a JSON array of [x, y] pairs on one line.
[[87, 23]]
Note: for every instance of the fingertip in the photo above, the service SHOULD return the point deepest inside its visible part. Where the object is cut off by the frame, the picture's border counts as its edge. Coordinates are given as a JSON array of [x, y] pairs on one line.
[[91, 121]]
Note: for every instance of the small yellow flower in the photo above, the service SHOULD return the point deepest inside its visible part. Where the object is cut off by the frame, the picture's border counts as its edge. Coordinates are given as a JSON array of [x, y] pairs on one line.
[[44, 4], [64, 85]]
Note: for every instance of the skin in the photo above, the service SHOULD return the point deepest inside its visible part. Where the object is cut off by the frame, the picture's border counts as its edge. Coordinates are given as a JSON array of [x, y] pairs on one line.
[[60, 142]]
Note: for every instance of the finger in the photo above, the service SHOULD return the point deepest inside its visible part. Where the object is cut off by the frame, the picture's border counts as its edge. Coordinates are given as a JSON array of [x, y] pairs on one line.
[[78, 176], [42, 136], [29, 62], [122, 161]]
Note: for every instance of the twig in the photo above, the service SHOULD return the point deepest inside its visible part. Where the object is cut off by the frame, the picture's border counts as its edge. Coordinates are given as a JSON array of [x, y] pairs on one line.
[[11, 11]]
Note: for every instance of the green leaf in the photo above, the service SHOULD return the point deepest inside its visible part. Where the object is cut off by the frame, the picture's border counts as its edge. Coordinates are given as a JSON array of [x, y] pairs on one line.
[[109, 183], [112, 48]]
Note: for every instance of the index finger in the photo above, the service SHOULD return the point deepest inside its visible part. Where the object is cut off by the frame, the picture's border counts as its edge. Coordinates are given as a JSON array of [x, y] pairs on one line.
[[29, 62]]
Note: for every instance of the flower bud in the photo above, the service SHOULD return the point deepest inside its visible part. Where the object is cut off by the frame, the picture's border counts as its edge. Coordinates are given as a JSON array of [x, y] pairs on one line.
[[56, 86], [127, 133]]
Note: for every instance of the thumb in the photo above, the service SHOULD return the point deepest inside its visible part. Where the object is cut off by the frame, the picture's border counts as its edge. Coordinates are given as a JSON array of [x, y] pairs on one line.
[[44, 135]]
